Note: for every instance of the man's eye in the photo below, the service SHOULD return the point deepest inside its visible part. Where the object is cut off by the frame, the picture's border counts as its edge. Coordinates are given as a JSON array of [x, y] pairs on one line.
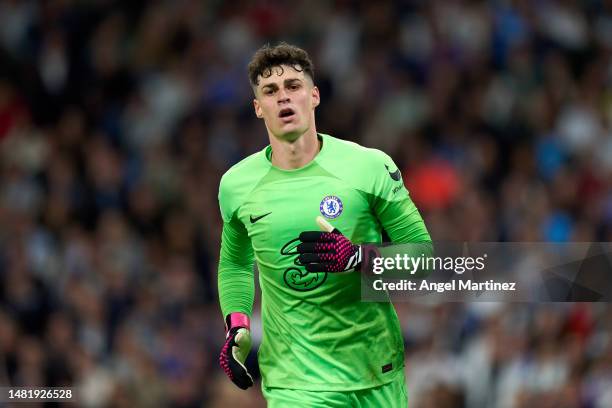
[[268, 91], [294, 87]]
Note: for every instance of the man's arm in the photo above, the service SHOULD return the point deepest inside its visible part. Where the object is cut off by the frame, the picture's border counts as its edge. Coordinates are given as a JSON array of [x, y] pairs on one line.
[[235, 276], [406, 228], [236, 292]]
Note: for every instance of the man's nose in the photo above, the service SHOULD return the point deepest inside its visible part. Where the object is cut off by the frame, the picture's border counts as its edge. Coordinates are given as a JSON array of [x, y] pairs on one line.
[[283, 96]]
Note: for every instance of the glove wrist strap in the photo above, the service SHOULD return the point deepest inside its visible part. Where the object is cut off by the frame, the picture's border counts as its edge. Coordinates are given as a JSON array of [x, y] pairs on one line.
[[237, 320]]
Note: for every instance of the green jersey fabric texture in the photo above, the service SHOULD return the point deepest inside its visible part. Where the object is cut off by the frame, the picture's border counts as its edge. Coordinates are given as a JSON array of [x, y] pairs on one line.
[[317, 334], [390, 395]]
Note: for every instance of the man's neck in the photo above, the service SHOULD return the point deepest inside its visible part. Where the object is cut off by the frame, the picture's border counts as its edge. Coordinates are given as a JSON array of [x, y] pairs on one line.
[[293, 155]]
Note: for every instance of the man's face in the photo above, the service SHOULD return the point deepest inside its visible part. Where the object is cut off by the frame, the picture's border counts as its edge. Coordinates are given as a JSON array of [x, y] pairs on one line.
[[286, 101]]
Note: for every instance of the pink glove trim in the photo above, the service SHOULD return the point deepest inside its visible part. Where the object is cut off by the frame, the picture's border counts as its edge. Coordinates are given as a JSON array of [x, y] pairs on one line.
[[239, 320]]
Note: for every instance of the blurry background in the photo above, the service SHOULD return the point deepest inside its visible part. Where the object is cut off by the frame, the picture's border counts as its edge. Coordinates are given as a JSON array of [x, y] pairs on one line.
[[117, 120]]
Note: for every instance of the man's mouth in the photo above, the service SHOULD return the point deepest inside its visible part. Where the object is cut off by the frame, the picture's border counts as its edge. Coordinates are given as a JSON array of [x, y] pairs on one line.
[[286, 113]]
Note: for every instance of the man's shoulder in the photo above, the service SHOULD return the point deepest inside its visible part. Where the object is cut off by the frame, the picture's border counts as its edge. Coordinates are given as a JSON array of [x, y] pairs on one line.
[[245, 170], [360, 155], [239, 180], [366, 169]]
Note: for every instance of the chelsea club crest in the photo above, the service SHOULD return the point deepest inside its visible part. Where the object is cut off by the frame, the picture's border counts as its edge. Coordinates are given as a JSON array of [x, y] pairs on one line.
[[331, 207]]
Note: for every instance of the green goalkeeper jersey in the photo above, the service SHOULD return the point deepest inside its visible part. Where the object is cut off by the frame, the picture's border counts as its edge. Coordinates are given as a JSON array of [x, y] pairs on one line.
[[317, 333]]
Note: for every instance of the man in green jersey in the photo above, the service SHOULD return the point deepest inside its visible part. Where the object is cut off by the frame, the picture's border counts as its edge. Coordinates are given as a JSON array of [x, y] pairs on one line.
[[321, 346]]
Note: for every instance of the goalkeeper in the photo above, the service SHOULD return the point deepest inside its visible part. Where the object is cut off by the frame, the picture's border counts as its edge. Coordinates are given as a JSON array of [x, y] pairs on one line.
[[321, 346]]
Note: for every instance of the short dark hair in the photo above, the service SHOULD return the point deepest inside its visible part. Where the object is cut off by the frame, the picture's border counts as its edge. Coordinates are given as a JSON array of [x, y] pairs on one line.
[[268, 57]]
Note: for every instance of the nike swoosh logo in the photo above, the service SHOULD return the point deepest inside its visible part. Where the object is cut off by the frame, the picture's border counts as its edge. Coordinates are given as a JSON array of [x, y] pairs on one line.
[[396, 175], [255, 219]]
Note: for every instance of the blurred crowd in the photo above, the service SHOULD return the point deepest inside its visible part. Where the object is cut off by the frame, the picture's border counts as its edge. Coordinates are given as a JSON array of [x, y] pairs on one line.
[[117, 120]]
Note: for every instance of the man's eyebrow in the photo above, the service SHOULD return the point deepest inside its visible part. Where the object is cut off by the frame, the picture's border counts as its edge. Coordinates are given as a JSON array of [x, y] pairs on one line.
[[286, 82], [290, 80]]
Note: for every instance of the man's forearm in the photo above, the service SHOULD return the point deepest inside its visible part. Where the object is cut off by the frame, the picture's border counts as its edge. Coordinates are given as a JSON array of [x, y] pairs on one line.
[[235, 277], [236, 289]]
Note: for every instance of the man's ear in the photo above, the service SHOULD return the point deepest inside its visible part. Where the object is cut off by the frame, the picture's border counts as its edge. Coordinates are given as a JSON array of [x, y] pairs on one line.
[[316, 97], [257, 107]]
